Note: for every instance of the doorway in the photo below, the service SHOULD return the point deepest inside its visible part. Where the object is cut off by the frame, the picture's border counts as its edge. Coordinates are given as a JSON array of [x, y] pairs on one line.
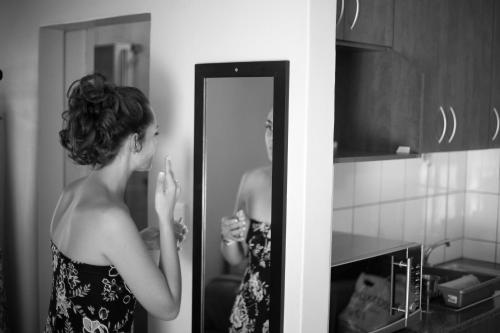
[[119, 48]]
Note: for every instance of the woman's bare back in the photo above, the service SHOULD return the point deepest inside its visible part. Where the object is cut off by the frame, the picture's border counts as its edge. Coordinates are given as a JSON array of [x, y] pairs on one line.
[[78, 218]]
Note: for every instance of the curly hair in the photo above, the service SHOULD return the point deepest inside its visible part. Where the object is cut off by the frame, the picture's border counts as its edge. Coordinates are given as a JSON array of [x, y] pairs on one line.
[[100, 117]]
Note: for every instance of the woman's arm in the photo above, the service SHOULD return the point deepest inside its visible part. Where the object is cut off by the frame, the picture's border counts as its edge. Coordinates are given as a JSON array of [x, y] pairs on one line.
[[157, 289], [126, 250], [233, 245]]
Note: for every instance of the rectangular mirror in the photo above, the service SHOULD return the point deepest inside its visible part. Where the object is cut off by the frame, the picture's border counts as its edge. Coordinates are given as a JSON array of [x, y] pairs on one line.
[[239, 196]]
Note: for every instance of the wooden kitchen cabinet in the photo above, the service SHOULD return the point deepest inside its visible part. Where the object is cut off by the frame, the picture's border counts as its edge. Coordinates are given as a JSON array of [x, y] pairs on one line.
[[436, 89], [450, 42], [494, 110], [340, 19], [468, 71], [377, 104], [365, 21]]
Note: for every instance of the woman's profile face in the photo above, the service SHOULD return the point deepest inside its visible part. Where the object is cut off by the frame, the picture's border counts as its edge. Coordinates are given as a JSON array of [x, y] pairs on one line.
[[149, 144], [269, 135]]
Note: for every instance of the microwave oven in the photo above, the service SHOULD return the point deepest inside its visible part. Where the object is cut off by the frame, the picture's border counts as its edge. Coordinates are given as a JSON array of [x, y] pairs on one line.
[[376, 284]]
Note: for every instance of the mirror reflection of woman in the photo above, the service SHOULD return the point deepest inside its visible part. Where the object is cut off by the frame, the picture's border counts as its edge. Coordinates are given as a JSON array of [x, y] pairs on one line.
[[101, 265], [247, 234]]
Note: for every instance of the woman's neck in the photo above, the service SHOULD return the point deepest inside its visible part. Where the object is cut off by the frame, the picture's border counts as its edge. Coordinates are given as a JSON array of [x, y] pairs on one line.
[[113, 177]]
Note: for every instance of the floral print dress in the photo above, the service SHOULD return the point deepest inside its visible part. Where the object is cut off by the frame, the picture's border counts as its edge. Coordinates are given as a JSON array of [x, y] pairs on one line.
[[87, 298], [250, 311]]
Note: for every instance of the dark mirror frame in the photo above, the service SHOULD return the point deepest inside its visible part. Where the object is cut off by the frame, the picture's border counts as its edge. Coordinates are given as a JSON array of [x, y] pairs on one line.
[[279, 71]]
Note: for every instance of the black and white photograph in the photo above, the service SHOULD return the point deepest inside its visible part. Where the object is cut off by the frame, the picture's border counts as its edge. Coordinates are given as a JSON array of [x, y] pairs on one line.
[[250, 167]]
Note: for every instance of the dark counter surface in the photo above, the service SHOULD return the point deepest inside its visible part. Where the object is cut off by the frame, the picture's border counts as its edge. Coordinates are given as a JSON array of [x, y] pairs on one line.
[[483, 317]]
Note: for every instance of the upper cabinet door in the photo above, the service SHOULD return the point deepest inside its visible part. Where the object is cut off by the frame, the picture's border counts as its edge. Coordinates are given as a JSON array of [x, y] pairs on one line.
[[450, 40], [494, 111], [418, 31], [367, 21], [466, 62], [340, 18]]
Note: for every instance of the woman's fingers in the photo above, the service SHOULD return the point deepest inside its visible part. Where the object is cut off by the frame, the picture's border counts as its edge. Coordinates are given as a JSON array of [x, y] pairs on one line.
[[160, 182], [171, 181]]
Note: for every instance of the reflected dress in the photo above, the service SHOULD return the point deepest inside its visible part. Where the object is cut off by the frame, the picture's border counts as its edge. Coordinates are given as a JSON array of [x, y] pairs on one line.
[[250, 311], [88, 298]]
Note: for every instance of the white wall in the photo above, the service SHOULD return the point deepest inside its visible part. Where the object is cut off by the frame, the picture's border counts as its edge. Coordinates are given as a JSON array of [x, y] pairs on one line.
[[182, 34]]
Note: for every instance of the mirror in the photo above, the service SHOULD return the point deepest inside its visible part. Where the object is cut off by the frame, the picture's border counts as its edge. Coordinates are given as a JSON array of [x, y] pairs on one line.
[[239, 181]]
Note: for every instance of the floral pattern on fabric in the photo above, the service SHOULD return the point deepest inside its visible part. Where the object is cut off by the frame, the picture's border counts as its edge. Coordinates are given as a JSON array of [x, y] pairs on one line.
[[88, 298], [250, 311]]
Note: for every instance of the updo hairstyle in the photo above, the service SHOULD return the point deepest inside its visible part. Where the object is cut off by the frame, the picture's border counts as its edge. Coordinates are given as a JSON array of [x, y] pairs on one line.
[[100, 117]]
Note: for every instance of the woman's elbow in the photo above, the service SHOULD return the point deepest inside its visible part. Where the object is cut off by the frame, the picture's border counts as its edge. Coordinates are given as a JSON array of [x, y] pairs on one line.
[[171, 311]]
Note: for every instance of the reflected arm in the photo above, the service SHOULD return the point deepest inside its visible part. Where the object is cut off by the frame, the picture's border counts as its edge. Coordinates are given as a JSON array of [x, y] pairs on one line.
[[235, 252]]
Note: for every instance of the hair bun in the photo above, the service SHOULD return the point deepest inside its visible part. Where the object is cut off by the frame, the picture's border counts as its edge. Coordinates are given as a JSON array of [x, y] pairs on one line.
[[92, 92], [95, 88]]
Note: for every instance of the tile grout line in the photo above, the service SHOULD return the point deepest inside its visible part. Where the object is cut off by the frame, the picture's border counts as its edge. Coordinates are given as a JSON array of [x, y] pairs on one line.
[[496, 235], [405, 173], [353, 195]]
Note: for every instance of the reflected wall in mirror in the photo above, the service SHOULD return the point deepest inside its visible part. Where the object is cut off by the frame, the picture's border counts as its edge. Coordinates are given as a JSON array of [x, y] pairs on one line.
[[239, 195]]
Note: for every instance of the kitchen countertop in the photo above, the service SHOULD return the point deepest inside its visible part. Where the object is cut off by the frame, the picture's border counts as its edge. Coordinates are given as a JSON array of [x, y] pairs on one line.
[[483, 317]]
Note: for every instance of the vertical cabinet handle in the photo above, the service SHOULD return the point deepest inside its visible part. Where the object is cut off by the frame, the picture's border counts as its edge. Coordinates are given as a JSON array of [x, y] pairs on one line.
[[341, 12], [444, 124], [355, 16], [454, 124], [498, 124]]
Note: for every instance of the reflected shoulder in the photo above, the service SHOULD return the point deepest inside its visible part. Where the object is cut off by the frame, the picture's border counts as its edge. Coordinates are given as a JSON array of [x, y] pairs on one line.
[[260, 173]]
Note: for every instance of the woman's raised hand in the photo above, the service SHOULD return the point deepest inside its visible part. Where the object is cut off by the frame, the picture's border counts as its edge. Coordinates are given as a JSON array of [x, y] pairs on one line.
[[233, 229], [167, 193]]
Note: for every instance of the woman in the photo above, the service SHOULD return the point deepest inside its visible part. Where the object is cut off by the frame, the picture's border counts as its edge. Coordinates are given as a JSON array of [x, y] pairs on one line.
[[100, 262], [248, 234]]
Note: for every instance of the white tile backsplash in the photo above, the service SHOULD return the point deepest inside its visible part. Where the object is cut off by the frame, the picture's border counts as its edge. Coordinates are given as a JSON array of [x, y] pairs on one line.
[[455, 216], [367, 182], [483, 170], [392, 220], [366, 220], [393, 180], [437, 181], [435, 219], [457, 171], [343, 185], [414, 220], [479, 250], [452, 195], [481, 216], [342, 220], [416, 177], [454, 251]]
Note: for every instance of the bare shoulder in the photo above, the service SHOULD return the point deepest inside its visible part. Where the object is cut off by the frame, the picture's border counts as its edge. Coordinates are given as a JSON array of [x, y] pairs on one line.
[[68, 192], [114, 219], [257, 175]]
